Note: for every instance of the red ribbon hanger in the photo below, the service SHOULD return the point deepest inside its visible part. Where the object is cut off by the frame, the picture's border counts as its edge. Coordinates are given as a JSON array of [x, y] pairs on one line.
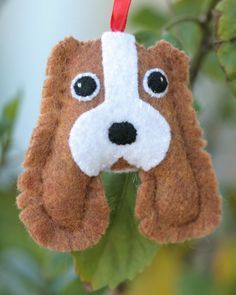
[[119, 15]]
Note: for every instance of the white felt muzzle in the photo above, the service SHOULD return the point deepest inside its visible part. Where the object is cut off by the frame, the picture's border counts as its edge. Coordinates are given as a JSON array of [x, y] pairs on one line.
[[89, 142]]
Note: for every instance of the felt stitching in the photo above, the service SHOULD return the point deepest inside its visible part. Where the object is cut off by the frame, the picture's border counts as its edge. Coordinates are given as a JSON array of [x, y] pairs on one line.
[[85, 204], [189, 162], [55, 224], [153, 180], [199, 198]]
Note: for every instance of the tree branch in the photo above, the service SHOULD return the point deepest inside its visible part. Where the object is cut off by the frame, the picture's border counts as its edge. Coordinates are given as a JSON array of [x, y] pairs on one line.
[[204, 44], [219, 42], [121, 289]]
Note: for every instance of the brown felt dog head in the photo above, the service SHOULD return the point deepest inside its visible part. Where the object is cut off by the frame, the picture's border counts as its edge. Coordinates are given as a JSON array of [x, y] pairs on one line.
[[111, 104]]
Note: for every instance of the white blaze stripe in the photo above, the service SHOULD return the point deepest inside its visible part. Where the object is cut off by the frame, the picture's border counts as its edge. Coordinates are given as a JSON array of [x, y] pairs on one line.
[[120, 66]]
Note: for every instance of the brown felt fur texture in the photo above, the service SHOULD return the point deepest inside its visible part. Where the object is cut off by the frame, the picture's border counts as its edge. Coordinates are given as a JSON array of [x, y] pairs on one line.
[[65, 210], [177, 200]]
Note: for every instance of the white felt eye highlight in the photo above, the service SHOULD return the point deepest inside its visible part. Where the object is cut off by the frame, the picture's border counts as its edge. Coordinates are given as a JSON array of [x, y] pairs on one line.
[[155, 82], [85, 86]]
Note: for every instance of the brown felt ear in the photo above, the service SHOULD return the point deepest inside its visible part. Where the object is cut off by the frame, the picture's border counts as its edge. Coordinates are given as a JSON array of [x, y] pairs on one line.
[[179, 199], [61, 56], [175, 60], [63, 209]]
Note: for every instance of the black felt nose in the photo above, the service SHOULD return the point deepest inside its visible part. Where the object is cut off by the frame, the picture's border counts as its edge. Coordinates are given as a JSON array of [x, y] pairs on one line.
[[122, 133]]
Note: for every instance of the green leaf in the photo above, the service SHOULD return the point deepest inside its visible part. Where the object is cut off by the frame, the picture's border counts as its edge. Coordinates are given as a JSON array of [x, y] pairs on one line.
[[77, 288], [10, 109], [147, 38], [212, 68], [123, 252], [190, 7], [8, 116], [7, 121], [9, 217], [168, 36], [148, 18], [226, 22], [21, 268], [188, 32], [195, 283], [226, 54], [228, 110], [197, 106], [226, 36]]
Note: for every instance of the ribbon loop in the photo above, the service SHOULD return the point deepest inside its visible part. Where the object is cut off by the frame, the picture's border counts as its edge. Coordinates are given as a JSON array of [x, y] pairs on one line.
[[119, 15]]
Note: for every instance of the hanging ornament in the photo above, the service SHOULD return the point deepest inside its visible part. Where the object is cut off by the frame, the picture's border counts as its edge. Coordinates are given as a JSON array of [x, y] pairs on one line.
[[112, 105]]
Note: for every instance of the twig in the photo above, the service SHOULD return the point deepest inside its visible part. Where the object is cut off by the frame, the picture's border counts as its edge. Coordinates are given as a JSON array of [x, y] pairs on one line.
[[219, 42], [204, 44], [121, 289], [182, 19]]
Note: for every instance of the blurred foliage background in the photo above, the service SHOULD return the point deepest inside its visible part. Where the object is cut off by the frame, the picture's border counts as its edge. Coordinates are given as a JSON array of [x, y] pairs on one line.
[[207, 266]]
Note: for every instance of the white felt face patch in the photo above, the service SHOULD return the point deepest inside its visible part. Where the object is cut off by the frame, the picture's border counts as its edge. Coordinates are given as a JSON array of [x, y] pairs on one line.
[[123, 126]]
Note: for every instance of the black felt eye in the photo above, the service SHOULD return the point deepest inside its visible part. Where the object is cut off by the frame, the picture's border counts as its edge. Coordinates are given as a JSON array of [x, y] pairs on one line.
[[156, 82], [85, 86]]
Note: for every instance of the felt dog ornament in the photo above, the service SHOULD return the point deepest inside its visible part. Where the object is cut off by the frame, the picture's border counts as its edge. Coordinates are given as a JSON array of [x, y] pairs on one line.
[[111, 104]]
